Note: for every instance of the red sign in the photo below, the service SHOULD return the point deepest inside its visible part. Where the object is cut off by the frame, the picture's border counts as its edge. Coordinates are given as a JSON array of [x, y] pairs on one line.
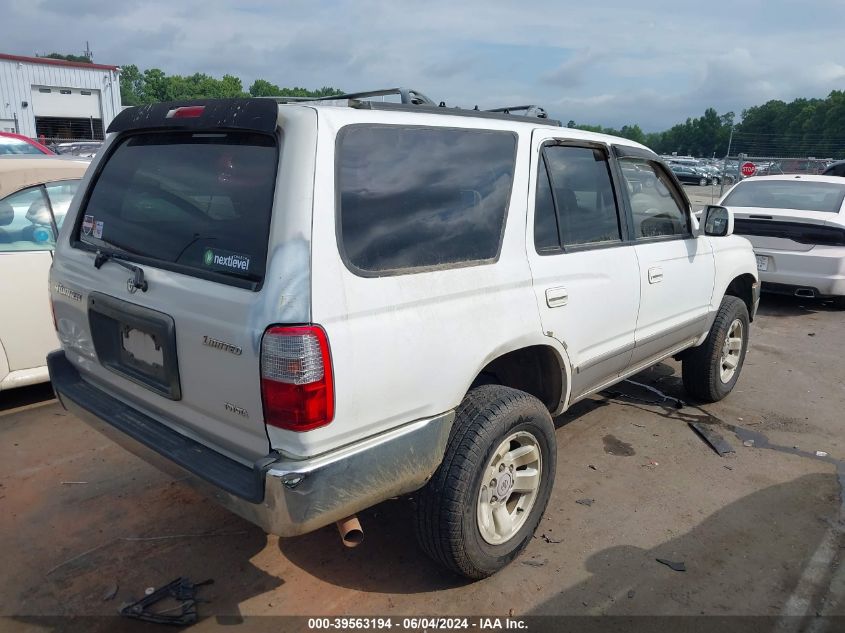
[[749, 169]]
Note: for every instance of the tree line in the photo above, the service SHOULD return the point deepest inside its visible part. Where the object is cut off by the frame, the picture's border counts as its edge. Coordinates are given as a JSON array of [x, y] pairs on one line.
[[153, 85], [800, 128]]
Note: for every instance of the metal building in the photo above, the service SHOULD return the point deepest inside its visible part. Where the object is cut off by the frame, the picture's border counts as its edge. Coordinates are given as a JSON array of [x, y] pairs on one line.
[[56, 99]]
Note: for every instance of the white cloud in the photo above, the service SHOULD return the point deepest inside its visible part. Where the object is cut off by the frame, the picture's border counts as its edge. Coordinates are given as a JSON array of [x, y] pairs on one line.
[[653, 62]]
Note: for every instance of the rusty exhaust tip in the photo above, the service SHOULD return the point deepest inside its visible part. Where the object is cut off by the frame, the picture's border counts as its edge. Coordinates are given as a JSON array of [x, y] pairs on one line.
[[351, 532]]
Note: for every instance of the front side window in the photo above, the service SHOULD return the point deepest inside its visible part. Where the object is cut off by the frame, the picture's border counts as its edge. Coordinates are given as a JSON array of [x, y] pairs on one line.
[[417, 198], [26, 223], [657, 211], [583, 194]]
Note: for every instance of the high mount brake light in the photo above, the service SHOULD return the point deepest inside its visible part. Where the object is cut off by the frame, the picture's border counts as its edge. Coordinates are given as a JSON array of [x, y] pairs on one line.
[[186, 112], [297, 386]]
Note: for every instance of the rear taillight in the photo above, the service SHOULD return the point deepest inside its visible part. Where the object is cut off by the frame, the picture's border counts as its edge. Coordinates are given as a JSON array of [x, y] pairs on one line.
[[296, 377]]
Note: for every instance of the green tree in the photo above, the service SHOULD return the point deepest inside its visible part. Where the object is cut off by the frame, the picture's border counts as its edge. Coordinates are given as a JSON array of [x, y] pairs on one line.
[[69, 58]]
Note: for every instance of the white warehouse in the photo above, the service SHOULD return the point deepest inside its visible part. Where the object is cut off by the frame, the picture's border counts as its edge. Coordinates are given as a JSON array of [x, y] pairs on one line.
[[49, 99]]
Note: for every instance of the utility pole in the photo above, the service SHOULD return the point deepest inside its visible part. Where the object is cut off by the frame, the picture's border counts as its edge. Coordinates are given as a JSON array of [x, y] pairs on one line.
[[725, 163], [88, 52]]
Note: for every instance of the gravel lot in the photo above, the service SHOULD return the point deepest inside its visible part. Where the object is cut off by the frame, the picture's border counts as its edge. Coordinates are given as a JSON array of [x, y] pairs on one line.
[[759, 530]]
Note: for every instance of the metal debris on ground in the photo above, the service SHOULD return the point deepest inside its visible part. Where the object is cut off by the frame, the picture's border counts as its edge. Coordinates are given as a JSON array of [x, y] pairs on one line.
[[110, 592], [551, 540], [714, 439], [533, 562], [651, 464], [821, 454], [585, 502], [71, 483], [673, 565], [631, 594], [591, 467], [748, 443], [182, 590]]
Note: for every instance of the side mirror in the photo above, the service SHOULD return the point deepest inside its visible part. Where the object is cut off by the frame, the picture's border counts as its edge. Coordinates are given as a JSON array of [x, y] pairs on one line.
[[718, 221]]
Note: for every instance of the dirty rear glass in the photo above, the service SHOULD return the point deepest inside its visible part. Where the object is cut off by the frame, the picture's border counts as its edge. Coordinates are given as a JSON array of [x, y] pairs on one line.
[[416, 198], [788, 194], [197, 203]]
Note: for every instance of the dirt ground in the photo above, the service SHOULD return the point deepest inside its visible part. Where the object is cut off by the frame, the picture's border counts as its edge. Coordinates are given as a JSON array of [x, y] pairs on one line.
[[759, 530]]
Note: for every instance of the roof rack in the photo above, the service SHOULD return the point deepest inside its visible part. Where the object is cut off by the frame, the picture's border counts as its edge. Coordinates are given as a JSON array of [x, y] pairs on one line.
[[449, 111], [415, 100], [409, 96], [530, 110]]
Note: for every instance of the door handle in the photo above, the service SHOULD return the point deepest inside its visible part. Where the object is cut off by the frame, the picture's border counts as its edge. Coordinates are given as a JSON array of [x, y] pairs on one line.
[[556, 297], [655, 275]]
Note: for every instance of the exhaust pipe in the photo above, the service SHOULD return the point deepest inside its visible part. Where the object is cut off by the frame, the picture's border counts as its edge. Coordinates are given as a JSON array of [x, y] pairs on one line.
[[807, 293], [351, 532]]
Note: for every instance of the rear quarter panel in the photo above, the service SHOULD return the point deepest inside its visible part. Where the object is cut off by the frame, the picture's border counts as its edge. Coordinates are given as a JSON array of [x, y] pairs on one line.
[[408, 346]]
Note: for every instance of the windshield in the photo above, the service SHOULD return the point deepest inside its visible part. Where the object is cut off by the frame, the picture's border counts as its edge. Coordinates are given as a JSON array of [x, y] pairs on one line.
[[197, 202], [17, 146], [788, 194]]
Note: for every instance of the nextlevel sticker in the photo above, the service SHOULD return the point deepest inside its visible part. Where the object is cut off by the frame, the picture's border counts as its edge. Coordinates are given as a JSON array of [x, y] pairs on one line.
[[87, 224], [226, 259], [98, 229]]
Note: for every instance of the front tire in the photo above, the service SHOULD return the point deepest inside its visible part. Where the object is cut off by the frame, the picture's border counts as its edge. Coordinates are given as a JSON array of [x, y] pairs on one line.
[[484, 502], [711, 370]]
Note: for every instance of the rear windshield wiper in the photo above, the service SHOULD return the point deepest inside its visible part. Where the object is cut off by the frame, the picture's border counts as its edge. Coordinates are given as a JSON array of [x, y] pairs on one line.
[[135, 283]]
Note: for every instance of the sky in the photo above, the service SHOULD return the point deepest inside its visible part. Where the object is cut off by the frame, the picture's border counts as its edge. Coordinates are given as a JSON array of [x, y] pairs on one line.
[[606, 62]]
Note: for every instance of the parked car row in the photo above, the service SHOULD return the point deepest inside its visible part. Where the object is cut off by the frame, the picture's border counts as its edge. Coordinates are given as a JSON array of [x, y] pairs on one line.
[[699, 172]]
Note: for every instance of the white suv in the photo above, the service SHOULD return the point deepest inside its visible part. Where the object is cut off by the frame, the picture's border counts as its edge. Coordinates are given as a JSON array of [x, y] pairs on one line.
[[308, 308]]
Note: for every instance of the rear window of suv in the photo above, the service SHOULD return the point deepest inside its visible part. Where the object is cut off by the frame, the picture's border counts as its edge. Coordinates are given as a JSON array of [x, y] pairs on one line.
[[196, 203], [416, 198]]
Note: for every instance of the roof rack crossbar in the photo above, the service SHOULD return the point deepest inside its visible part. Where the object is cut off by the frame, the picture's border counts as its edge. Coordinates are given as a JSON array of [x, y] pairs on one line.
[[530, 110], [407, 95]]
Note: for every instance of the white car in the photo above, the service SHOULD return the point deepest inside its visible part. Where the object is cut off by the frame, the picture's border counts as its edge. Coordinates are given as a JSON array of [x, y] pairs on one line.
[[35, 193], [309, 308], [797, 227]]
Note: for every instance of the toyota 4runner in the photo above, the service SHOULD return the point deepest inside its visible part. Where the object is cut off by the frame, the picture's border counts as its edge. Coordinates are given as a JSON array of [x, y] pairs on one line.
[[306, 308]]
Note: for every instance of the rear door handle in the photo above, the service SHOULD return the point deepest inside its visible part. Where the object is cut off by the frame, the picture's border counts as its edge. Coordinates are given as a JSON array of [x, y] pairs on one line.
[[655, 275], [556, 297]]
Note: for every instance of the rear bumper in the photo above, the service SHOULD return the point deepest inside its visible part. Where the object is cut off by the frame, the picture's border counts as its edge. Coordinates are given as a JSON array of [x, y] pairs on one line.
[[821, 269], [283, 496]]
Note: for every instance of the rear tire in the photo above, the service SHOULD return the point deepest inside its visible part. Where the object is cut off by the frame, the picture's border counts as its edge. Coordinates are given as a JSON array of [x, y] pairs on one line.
[[502, 442], [711, 370]]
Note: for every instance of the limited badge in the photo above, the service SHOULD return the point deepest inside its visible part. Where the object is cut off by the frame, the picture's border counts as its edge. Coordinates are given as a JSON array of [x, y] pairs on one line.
[[87, 224]]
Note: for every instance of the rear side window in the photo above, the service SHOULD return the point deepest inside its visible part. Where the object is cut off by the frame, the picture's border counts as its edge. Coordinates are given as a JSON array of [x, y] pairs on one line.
[[197, 203], [416, 198]]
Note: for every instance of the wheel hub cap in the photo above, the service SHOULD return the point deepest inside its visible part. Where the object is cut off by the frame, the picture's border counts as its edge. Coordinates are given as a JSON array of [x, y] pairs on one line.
[[504, 485]]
